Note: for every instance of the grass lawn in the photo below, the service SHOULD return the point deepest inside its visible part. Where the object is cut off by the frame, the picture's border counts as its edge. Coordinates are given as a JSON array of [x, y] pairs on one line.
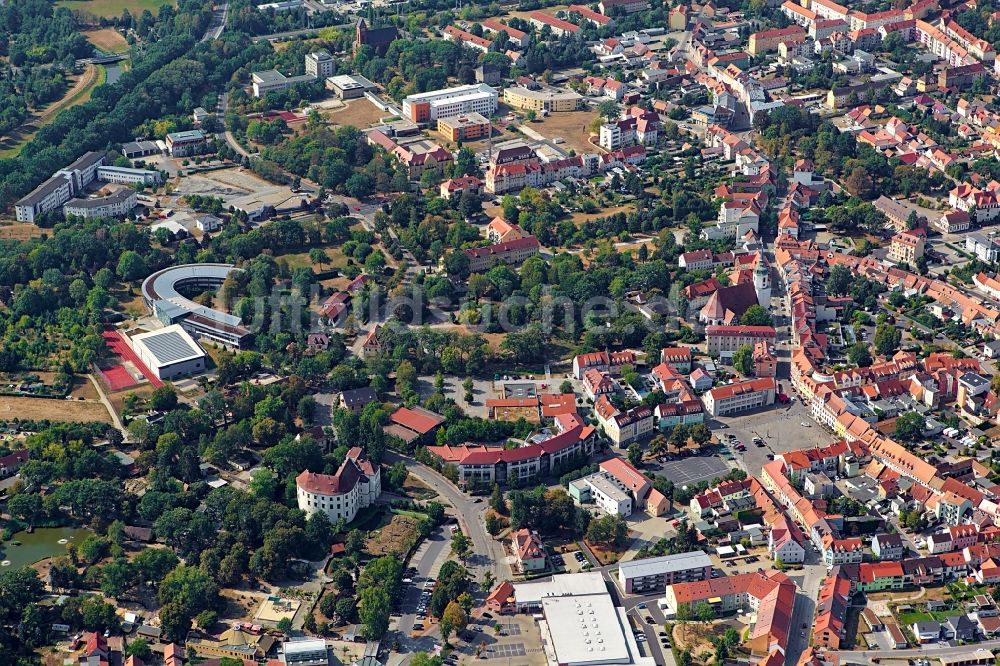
[[906, 619], [335, 259], [114, 8], [411, 514]]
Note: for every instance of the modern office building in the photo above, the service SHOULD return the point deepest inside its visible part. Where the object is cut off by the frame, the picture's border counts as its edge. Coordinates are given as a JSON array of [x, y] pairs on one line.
[[125, 176], [182, 144], [160, 291], [549, 101], [467, 127]]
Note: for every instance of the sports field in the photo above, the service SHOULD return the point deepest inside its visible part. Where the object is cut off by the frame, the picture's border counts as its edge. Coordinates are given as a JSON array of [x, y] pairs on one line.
[[113, 8]]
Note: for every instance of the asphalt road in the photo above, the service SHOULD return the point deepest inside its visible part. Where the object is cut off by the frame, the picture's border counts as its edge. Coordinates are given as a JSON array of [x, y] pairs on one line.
[[437, 543], [218, 24], [487, 554]]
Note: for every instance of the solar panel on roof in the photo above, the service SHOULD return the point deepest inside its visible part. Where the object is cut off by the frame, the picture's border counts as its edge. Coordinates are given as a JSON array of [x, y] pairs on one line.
[[169, 347]]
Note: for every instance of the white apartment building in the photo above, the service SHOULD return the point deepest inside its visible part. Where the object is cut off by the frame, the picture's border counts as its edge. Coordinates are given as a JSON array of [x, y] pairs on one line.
[[118, 204], [985, 248], [60, 187], [429, 106]]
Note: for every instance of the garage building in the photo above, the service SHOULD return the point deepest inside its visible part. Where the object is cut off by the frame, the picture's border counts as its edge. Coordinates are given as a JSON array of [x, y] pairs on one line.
[[169, 352]]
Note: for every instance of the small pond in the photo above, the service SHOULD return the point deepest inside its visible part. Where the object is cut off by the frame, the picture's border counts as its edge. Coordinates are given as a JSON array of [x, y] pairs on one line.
[[40, 544]]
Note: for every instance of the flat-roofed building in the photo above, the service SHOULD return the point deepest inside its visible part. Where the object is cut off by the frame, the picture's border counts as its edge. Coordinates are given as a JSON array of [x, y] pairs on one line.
[[305, 652], [649, 575], [182, 144], [551, 101], [430, 106], [466, 127], [126, 176], [169, 352], [577, 608], [271, 80], [159, 292], [349, 86], [320, 64]]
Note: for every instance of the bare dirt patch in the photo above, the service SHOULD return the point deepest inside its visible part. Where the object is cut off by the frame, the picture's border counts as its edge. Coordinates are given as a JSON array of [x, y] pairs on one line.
[[571, 126], [108, 40], [396, 538], [55, 410], [581, 217], [357, 113], [20, 231]]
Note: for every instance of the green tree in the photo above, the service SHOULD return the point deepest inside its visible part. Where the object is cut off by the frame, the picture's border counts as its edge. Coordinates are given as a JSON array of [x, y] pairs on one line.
[[887, 339], [705, 612], [608, 109], [634, 453], [859, 355], [497, 501], [756, 315], [460, 545], [374, 608], [838, 282], [131, 266], [138, 648], [910, 426], [743, 360]]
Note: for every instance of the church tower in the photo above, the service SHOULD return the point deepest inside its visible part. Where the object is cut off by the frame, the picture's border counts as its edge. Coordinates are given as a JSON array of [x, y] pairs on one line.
[[360, 33], [762, 282]]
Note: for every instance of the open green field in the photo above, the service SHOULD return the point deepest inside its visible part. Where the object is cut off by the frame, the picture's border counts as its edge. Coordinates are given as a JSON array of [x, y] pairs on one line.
[[113, 8]]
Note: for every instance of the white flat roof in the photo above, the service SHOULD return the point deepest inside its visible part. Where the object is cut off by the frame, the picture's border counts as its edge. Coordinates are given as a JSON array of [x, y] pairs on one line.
[[561, 585], [169, 345], [300, 645], [585, 630], [696, 559], [608, 487], [457, 91]]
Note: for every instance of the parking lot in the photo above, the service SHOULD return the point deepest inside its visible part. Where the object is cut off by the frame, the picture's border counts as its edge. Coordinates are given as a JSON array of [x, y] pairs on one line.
[[689, 471], [782, 428], [506, 651]]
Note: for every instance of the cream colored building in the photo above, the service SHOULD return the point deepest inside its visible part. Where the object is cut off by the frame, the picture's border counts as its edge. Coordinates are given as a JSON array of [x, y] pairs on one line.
[[906, 248], [551, 101]]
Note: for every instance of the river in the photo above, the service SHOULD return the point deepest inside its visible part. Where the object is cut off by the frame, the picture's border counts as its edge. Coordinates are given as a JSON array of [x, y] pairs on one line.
[[44, 542], [114, 72]]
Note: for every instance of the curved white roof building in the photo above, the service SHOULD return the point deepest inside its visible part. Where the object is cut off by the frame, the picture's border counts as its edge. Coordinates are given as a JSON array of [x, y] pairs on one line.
[[160, 292]]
